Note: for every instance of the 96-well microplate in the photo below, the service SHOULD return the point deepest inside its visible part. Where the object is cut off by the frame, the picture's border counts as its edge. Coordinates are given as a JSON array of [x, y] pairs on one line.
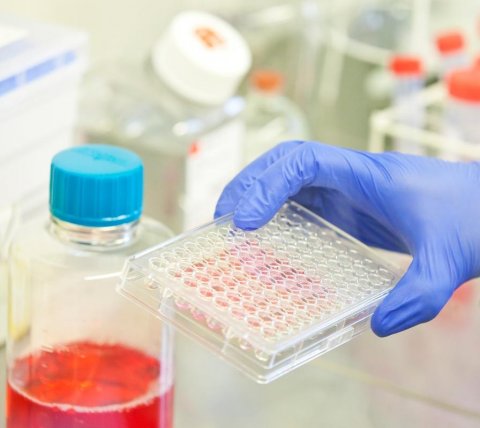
[[267, 300]]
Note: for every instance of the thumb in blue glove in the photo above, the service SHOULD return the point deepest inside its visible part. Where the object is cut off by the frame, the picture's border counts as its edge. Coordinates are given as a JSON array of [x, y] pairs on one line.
[[426, 207]]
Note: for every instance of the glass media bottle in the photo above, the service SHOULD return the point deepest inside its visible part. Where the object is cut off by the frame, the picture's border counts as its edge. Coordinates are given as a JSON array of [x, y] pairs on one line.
[[79, 354]]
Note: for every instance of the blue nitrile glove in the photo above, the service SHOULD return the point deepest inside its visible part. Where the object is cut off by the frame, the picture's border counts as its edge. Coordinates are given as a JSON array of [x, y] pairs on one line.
[[426, 207]]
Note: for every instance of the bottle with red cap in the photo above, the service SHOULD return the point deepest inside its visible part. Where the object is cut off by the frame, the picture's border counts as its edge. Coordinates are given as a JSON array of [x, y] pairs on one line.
[[462, 112], [451, 48], [408, 74], [270, 116]]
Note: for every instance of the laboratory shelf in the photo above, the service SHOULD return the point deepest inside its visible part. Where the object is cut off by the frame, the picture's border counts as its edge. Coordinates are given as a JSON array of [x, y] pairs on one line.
[[386, 125]]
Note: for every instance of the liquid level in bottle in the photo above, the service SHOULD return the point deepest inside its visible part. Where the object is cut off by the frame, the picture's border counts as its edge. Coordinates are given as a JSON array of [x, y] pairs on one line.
[[88, 385]]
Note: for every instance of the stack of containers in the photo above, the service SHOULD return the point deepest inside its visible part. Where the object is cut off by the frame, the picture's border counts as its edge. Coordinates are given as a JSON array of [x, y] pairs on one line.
[[40, 70], [39, 76]]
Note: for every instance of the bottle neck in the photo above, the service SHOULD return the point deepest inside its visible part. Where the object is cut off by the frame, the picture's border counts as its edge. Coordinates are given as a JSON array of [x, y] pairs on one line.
[[98, 237]]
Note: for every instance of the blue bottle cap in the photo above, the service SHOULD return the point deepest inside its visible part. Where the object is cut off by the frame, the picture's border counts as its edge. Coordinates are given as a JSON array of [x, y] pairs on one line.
[[96, 185]]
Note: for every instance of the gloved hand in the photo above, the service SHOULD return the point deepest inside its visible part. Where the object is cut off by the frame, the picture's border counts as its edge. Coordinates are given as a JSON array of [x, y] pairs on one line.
[[426, 207]]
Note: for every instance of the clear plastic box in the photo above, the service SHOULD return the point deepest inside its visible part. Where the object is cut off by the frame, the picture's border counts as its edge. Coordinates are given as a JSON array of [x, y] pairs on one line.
[[268, 300]]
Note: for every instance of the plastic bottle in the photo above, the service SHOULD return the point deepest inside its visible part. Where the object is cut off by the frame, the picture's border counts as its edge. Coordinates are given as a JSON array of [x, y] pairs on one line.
[[270, 117], [462, 110], [78, 353], [407, 71], [179, 113], [451, 47]]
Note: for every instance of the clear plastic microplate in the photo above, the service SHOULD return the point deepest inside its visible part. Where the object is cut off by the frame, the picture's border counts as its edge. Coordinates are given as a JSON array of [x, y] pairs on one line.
[[268, 300]]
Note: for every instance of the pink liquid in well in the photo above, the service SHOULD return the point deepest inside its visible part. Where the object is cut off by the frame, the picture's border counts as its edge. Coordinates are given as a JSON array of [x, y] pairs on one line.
[[88, 385]]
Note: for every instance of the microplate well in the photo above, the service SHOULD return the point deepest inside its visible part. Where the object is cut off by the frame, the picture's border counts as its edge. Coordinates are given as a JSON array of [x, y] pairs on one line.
[[267, 300]]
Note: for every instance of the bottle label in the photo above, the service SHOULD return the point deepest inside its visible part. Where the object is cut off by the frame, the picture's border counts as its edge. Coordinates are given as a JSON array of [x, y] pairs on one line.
[[212, 162]]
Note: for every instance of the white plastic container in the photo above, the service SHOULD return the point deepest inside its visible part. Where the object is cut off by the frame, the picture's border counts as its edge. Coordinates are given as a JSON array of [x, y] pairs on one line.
[[407, 71], [40, 69], [179, 113], [40, 72], [462, 111], [451, 48], [270, 117]]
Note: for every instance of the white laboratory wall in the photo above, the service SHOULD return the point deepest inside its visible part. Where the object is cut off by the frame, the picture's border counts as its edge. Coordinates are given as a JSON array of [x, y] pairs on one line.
[[118, 28]]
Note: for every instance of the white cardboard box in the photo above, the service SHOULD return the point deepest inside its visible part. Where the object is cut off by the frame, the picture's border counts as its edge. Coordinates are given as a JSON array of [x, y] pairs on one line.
[[40, 70]]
